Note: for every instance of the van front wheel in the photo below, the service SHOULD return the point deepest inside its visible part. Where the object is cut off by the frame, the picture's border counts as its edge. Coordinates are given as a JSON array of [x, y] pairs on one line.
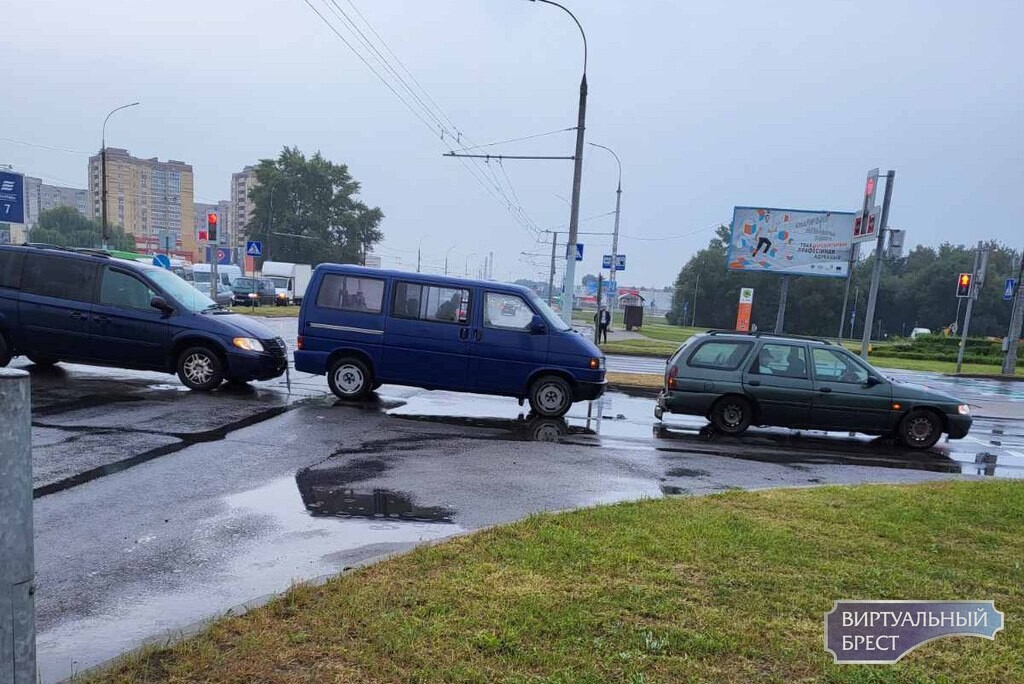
[[550, 396], [350, 379]]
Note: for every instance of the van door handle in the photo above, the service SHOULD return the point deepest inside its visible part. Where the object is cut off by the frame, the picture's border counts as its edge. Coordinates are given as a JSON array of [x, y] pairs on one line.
[[477, 335], [101, 319], [824, 390], [463, 333], [755, 383], [77, 315]]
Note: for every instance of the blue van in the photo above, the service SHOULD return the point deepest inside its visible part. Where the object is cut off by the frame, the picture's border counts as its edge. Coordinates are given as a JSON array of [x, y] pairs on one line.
[[364, 327], [86, 307]]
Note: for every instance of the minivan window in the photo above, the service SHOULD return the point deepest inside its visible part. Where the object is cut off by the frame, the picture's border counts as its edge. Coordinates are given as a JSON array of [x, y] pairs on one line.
[[721, 354], [62, 278], [183, 293], [10, 268], [351, 293], [784, 360], [506, 312], [122, 290], [431, 303]]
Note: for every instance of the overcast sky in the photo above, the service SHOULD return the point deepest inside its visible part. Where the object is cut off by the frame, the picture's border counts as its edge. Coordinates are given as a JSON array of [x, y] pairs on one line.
[[708, 104]]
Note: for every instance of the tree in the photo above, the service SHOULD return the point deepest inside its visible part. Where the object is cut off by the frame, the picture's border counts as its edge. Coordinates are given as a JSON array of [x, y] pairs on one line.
[[68, 227], [306, 211]]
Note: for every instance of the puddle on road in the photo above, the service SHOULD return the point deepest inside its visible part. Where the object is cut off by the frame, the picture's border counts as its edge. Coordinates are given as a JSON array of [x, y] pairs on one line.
[[328, 492]]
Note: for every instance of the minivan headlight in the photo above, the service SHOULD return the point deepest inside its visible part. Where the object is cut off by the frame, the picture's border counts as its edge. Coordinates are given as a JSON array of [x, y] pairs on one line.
[[964, 409], [248, 344]]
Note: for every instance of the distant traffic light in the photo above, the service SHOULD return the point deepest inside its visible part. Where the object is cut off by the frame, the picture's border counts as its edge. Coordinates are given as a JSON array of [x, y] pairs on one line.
[[963, 285], [211, 227], [202, 236]]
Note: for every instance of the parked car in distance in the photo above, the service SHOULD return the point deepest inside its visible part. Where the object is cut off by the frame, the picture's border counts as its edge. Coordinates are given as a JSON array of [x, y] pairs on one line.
[[917, 332], [225, 295], [364, 327], [86, 307], [290, 280], [736, 380], [254, 291]]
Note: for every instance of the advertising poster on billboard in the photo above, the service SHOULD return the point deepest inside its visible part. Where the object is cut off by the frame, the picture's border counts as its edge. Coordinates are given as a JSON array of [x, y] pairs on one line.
[[744, 309], [790, 241]]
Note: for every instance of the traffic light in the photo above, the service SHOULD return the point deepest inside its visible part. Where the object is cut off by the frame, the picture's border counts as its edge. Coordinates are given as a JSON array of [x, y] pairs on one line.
[[211, 227], [963, 285]]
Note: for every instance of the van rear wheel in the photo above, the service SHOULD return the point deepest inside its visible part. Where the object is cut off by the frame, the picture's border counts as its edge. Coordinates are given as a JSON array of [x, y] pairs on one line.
[[550, 396], [350, 379]]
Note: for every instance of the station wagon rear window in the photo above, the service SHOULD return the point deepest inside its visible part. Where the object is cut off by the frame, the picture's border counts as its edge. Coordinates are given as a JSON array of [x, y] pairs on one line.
[[720, 354], [351, 293]]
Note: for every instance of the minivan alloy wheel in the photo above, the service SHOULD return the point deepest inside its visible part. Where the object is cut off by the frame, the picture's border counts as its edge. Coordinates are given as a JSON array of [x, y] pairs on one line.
[[198, 368]]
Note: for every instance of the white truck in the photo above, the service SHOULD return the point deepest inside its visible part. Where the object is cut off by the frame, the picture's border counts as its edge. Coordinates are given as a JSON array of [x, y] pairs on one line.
[[290, 280], [226, 273]]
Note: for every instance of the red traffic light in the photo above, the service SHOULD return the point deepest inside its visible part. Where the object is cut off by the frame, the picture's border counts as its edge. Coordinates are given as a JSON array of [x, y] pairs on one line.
[[211, 219], [869, 187]]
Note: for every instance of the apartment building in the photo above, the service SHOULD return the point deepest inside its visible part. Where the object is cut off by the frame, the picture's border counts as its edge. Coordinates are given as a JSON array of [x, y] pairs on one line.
[[241, 206], [40, 197]]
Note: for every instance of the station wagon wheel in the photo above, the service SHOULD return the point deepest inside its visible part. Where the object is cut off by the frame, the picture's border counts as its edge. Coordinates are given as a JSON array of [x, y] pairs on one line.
[[731, 415], [200, 369], [349, 378], [920, 429], [550, 396]]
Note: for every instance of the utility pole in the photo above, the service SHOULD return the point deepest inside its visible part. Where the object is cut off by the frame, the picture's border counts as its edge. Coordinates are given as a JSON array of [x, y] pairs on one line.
[[876, 271], [597, 323], [1016, 318], [980, 258], [446, 259], [696, 288], [103, 174], [551, 273], [870, 187], [780, 317]]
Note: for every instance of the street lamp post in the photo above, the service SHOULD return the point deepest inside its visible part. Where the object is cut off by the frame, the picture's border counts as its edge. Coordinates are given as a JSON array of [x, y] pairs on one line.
[[103, 173], [419, 252], [446, 259], [615, 234], [568, 286]]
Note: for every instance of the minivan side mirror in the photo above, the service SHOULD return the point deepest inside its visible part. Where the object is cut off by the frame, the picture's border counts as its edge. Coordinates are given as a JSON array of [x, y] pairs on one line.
[[537, 326], [161, 304]]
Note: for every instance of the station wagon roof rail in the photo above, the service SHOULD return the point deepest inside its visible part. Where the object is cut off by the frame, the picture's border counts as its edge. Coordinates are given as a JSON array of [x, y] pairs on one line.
[[758, 333]]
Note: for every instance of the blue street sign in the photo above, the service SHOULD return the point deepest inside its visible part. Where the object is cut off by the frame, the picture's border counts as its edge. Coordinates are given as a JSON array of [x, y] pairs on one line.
[[221, 254], [12, 197], [606, 261], [254, 248], [163, 261], [1009, 288], [579, 251], [620, 262]]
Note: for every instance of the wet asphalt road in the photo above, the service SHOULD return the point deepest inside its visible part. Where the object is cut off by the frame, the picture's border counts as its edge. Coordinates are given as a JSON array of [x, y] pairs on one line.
[[157, 508]]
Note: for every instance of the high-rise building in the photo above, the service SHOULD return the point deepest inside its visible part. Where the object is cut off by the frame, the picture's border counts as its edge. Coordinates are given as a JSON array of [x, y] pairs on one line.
[[146, 197], [242, 207], [40, 197]]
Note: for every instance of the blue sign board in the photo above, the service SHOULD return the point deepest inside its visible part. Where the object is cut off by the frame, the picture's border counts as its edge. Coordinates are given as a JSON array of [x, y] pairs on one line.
[[1009, 288], [12, 197], [606, 261], [254, 248], [221, 254], [163, 261], [579, 251], [620, 262]]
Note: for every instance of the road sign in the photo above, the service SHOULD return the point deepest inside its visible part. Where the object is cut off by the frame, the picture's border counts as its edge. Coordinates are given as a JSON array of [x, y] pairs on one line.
[[620, 262], [254, 248], [162, 260], [1009, 288], [606, 261], [579, 251], [12, 197], [863, 233]]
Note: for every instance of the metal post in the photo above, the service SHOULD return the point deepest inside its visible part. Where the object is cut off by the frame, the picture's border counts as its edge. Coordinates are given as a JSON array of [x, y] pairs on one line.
[[696, 289], [780, 317], [551, 273], [615, 234], [568, 286], [970, 308], [854, 251], [597, 323], [17, 573], [103, 190], [876, 271], [1016, 319]]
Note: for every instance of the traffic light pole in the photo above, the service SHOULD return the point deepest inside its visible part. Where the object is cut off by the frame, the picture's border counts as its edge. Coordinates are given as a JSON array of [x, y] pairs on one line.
[[1016, 319], [981, 257], [876, 271]]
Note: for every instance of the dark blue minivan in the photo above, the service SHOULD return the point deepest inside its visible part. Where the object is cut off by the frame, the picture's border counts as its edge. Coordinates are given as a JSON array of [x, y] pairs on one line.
[[364, 327], [85, 307]]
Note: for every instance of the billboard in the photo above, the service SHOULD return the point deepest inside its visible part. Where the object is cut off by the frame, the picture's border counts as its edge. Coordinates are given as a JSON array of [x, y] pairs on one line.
[[790, 241], [12, 197]]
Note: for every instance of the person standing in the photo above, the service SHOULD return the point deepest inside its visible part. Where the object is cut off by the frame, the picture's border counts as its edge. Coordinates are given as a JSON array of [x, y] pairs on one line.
[[603, 318]]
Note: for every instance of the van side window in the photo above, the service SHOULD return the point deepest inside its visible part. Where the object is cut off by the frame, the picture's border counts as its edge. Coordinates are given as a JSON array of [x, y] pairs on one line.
[[431, 303], [51, 276], [350, 293], [10, 268], [506, 312], [122, 290], [720, 354]]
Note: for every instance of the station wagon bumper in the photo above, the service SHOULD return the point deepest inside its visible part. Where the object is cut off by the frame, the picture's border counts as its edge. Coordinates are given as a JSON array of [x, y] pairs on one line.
[[957, 426]]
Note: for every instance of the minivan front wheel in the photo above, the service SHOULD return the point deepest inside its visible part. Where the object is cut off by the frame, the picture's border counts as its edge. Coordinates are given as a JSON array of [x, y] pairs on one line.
[[731, 415], [350, 379], [920, 429], [200, 369], [550, 396]]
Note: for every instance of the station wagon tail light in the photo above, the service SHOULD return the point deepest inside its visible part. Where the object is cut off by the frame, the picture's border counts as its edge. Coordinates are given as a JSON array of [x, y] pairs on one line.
[[964, 409], [248, 344], [300, 342], [670, 378]]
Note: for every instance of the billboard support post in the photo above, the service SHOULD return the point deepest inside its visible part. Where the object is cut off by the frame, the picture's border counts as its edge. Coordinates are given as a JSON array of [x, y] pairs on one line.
[[780, 317], [876, 271]]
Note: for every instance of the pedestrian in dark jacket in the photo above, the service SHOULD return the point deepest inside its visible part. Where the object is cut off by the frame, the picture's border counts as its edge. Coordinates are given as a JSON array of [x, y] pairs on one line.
[[603, 319]]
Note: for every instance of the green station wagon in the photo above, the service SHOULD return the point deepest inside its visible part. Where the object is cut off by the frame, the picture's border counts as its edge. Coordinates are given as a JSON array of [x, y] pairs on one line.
[[737, 380]]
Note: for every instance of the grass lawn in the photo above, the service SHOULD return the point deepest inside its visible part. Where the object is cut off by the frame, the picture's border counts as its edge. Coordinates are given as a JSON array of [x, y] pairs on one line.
[[269, 311], [729, 588], [637, 380]]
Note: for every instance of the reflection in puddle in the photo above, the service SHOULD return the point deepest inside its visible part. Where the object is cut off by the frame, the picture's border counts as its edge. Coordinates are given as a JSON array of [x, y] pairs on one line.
[[326, 492]]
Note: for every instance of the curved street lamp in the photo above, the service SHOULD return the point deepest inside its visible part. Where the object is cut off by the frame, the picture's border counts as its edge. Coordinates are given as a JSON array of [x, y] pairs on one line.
[[615, 234], [103, 172]]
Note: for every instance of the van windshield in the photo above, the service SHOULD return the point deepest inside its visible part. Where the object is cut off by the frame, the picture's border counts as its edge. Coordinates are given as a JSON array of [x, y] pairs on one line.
[[183, 293], [553, 319]]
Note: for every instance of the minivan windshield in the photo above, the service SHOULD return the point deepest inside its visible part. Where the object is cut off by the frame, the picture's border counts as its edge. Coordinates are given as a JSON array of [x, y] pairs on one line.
[[553, 319], [182, 292]]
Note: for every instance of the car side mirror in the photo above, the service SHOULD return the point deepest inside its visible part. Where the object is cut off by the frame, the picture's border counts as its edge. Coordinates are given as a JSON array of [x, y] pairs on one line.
[[537, 326], [161, 304], [872, 381]]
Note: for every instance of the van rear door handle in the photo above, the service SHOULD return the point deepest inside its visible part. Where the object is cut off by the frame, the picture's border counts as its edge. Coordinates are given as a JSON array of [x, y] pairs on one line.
[[463, 333], [77, 315], [477, 335], [101, 319]]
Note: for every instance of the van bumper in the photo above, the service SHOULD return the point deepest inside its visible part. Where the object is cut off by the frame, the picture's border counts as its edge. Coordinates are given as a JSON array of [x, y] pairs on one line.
[[311, 362], [588, 391]]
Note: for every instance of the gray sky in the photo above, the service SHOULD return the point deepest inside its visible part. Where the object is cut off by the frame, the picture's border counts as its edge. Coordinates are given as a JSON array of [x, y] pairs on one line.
[[708, 104]]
